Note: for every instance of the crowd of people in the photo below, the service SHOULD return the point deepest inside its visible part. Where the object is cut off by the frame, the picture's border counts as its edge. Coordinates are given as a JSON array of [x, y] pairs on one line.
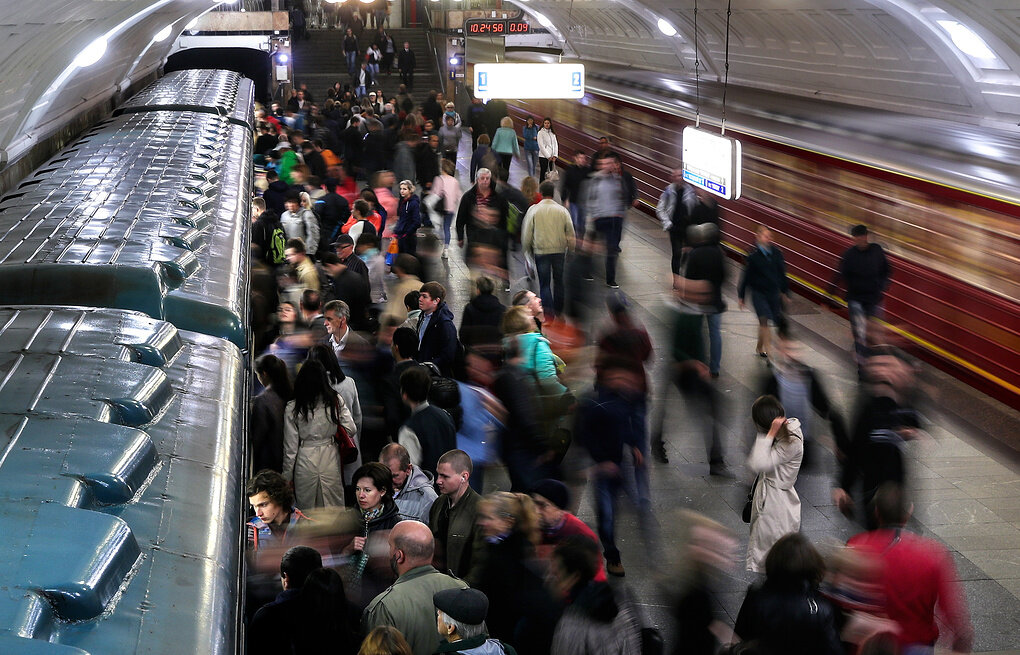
[[385, 416]]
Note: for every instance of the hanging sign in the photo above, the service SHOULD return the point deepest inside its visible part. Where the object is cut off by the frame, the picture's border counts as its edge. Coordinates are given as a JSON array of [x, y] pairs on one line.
[[712, 162], [519, 81]]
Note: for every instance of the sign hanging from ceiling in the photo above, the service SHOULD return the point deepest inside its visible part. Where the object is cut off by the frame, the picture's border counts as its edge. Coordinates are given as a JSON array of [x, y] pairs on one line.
[[524, 81], [712, 162]]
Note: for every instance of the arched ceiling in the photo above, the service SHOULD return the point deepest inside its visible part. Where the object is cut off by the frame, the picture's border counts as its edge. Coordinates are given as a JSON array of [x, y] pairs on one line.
[[891, 54]]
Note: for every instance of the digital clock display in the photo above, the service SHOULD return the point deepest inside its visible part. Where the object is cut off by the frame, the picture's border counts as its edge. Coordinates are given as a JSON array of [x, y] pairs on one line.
[[496, 27]]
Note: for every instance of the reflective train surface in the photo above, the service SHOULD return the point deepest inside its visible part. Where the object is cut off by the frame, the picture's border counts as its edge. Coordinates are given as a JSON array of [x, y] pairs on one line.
[[123, 342], [954, 248]]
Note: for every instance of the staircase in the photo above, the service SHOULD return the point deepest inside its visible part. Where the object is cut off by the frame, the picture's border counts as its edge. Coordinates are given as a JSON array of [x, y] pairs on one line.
[[319, 62]]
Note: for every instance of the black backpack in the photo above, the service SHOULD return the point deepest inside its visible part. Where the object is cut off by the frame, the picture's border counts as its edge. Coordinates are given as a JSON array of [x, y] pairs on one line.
[[445, 394]]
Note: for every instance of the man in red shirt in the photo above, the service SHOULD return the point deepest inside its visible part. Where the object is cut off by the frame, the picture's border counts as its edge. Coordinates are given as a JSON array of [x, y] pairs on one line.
[[551, 499], [918, 574]]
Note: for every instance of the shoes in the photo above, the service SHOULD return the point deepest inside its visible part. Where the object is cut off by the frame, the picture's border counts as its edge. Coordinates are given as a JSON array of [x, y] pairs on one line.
[[588, 278], [763, 355], [445, 250], [715, 375], [659, 452], [720, 471], [615, 568], [612, 285]]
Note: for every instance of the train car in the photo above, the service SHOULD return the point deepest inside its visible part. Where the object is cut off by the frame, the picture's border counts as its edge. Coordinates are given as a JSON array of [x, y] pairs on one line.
[[955, 254], [122, 452]]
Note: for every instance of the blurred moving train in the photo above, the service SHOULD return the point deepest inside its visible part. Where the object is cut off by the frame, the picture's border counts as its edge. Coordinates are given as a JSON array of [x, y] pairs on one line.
[[955, 294], [123, 342]]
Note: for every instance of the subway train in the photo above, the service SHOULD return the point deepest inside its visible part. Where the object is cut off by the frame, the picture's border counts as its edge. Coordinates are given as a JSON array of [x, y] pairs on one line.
[[123, 385], [955, 251]]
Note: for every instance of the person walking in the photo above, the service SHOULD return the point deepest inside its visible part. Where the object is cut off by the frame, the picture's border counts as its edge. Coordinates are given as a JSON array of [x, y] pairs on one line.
[[865, 270], [775, 458], [530, 134], [350, 50], [607, 202], [405, 64], [765, 275], [548, 149], [572, 191], [446, 188], [548, 234], [504, 142], [674, 210]]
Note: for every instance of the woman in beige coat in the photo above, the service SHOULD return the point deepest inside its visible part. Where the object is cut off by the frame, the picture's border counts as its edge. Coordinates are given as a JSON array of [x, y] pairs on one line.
[[311, 458], [775, 458]]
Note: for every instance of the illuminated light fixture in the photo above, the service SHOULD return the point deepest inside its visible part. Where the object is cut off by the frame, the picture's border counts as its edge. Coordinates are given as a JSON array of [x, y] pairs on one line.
[[966, 40], [163, 34], [191, 23], [337, 2], [543, 20], [529, 81], [92, 53], [712, 162], [367, 2], [665, 27], [454, 61], [282, 57]]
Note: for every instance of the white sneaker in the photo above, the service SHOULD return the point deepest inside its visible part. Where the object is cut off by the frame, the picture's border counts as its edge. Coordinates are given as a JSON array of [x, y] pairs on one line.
[[445, 249]]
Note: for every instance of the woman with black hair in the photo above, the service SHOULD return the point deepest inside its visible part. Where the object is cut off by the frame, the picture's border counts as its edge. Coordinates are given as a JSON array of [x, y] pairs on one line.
[[311, 459], [786, 614], [378, 513], [266, 425], [775, 458], [327, 622], [348, 392]]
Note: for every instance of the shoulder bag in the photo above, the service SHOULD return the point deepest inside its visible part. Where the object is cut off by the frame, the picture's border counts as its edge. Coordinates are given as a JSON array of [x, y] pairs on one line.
[[344, 441], [746, 514]]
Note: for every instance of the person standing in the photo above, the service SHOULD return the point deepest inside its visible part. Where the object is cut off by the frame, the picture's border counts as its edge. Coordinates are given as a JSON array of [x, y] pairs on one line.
[[437, 335], [674, 210], [775, 458], [548, 149], [453, 516], [350, 50], [408, 218], [530, 134], [865, 270], [548, 234], [765, 275], [607, 202], [406, 64]]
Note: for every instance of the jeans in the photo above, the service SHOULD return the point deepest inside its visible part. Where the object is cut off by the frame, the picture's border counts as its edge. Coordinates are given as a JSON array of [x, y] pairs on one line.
[[531, 162], [360, 91], [860, 314], [352, 60], [611, 229], [550, 282], [714, 342], [577, 218], [447, 222], [373, 69]]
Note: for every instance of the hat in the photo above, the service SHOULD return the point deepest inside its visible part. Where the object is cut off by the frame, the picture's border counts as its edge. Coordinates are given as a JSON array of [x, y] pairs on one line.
[[469, 606], [554, 491], [343, 240], [371, 94]]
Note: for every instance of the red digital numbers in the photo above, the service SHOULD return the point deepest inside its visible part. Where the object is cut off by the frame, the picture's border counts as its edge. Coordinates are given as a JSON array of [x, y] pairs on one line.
[[518, 27]]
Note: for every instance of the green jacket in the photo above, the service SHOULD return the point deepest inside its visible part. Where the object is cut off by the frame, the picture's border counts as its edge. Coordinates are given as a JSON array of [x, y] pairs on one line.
[[480, 645], [456, 549], [407, 605]]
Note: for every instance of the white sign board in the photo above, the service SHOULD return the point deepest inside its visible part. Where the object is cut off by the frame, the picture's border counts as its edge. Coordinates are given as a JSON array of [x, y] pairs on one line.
[[520, 81], [712, 162]]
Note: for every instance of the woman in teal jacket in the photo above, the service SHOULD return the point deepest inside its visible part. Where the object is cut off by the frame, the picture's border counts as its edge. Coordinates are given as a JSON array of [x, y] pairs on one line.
[[505, 142]]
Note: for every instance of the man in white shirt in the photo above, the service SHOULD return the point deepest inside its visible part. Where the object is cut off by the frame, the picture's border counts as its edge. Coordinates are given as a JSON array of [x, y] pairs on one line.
[[336, 313]]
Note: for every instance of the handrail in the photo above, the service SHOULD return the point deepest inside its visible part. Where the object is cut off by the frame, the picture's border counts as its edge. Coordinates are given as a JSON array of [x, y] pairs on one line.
[[429, 28]]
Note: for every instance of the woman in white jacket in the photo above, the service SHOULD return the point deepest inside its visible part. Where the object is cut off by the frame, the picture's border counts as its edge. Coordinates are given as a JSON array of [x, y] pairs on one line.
[[775, 458], [311, 458], [548, 149]]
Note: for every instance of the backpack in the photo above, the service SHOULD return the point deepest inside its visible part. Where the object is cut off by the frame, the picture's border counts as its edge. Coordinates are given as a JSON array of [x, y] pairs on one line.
[[445, 394], [277, 245]]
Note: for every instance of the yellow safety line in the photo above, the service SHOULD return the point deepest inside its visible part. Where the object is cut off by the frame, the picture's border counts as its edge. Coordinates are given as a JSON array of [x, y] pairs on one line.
[[909, 335]]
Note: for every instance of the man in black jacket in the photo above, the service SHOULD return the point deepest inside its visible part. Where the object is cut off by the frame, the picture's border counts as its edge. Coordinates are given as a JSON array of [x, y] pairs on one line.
[[707, 262], [333, 210], [268, 632], [765, 274], [404, 347], [429, 431], [275, 194], [571, 188], [865, 270], [406, 64], [437, 335]]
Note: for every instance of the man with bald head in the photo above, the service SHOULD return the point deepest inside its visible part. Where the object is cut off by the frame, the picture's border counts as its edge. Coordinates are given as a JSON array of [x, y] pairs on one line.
[[407, 604]]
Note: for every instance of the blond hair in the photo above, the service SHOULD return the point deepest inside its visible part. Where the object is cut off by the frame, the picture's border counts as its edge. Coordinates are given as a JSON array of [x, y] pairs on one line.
[[517, 507]]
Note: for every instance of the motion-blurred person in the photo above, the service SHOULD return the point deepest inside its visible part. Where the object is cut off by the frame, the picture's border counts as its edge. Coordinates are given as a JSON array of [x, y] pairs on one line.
[[484, 417], [369, 248], [408, 218], [479, 323], [918, 576], [407, 604], [552, 498], [300, 223], [521, 611], [276, 517], [453, 516], [866, 271], [548, 235], [437, 335], [447, 194], [305, 275], [883, 423], [775, 459], [571, 191], [460, 616], [674, 212], [610, 424], [344, 387], [449, 138], [706, 556], [412, 486], [429, 431], [477, 225], [786, 613], [351, 288], [385, 640], [267, 413], [404, 347], [310, 614], [311, 459], [765, 275], [407, 268], [532, 302], [377, 513], [333, 212], [625, 338], [706, 261], [608, 197], [596, 619]]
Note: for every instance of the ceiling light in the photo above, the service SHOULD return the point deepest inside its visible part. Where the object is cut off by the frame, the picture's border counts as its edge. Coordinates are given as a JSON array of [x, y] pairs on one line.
[[543, 20], [191, 23], [92, 53], [666, 28], [163, 34], [966, 40]]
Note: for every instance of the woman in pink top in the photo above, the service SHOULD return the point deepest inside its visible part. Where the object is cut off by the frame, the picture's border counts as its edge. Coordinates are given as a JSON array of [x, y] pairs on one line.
[[382, 185], [447, 189]]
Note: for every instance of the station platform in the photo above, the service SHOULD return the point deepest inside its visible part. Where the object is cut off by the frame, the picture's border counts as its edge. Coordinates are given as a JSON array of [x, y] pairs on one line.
[[964, 483]]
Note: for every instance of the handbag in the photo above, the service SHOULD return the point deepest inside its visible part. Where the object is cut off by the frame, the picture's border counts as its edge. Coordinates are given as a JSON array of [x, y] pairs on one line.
[[746, 514], [344, 441]]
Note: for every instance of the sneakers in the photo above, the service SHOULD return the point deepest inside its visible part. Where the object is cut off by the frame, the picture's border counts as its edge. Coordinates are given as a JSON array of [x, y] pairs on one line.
[[588, 278], [612, 285], [615, 568], [445, 250]]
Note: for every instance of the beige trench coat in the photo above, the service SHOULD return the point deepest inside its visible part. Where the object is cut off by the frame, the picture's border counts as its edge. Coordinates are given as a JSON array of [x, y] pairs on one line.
[[775, 508]]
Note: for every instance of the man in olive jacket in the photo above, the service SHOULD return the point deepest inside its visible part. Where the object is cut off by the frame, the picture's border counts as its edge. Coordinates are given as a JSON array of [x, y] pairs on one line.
[[407, 604], [453, 516]]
